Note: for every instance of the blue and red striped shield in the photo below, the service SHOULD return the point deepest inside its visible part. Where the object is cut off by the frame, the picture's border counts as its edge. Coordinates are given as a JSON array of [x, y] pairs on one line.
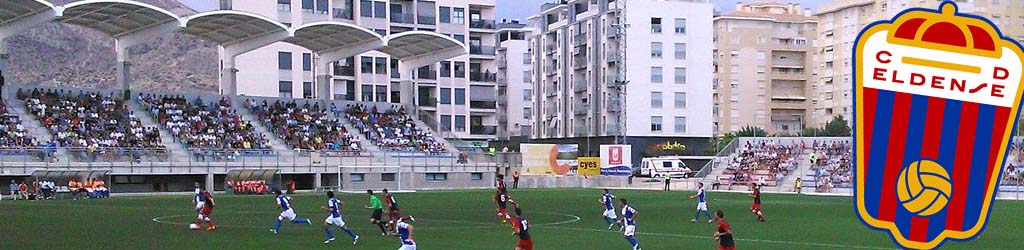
[[936, 100]]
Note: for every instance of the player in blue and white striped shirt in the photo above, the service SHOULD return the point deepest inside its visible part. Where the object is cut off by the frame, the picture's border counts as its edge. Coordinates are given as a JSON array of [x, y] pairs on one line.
[[334, 206], [608, 200], [702, 203], [629, 219], [287, 213]]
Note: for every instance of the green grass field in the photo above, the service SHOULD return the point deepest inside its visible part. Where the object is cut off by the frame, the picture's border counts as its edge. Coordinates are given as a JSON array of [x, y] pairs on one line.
[[562, 219]]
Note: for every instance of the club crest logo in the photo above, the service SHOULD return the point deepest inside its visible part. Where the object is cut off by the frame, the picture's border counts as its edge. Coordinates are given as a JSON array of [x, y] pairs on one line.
[[936, 98]]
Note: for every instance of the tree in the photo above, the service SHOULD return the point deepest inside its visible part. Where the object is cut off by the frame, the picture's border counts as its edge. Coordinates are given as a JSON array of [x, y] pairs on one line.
[[837, 127], [751, 131]]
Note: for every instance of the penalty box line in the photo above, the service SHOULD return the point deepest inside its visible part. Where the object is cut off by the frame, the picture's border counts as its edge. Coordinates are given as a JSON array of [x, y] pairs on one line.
[[782, 242]]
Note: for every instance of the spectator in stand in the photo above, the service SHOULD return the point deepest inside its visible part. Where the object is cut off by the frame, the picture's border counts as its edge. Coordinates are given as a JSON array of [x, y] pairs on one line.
[[393, 130], [23, 190], [305, 127], [206, 128]]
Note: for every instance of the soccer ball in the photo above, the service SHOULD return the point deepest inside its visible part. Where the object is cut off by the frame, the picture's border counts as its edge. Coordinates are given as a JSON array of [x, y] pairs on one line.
[[924, 188], [193, 226]]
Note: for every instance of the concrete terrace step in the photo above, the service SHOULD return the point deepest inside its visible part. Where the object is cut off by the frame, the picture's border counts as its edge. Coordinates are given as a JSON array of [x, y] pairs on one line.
[[276, 143], [177, 149]]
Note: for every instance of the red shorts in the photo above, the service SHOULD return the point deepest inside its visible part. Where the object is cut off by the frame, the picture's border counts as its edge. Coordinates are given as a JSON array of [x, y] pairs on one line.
[[207, 210], [525, 244], [755, 206], [502, 210], [395, 214], [727, 248]]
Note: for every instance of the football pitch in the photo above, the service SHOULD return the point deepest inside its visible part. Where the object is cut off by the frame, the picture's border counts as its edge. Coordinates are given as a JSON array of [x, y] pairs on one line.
[[561, 219]]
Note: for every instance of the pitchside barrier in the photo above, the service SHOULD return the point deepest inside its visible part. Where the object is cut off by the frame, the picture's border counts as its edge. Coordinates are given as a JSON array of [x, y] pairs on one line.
[[358, 179]]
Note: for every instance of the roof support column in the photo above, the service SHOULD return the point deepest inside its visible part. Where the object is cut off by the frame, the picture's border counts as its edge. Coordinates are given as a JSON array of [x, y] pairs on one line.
[[123, 72], [124, 41], [229, 84], [324, 84]]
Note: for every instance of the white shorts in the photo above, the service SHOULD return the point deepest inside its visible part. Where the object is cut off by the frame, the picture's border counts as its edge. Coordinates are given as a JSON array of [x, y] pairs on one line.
[[200, 205], [702, 206], [629, 231], [610, 213], [408, 247], [287, 215], [331, 220]]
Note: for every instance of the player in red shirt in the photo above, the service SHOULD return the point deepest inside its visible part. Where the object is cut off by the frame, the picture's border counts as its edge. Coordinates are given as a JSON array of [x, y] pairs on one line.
[[724, 233], [756, 206], [204, 213]]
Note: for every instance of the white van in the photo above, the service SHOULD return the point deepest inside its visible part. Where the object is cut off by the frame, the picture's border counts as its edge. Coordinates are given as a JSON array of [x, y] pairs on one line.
[[661, 166]]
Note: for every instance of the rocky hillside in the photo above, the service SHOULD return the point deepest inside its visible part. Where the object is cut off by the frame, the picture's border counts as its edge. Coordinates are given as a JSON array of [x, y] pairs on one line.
[[68, 55]]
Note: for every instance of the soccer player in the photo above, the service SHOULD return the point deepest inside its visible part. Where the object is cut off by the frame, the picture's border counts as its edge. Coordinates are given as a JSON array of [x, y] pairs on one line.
[[287, 213], [755, 207], [334, 206], [198, 201], [378, 212], [608, 200], [206, 210], [500, 181], [629, 216], [405, 232], [724, 233], [522, 229], [501, 197], [394, 214], [702, 203]]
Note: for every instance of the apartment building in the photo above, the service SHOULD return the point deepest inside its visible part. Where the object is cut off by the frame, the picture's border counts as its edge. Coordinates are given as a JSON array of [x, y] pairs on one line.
[[764, 64], [591, 88], [456, 97], [515, 86]]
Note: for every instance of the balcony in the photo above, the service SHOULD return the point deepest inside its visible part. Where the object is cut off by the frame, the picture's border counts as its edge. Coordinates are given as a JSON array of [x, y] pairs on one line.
[[579, 40], [551, 111], [614, 104], [481, 24], [344, 71], [426, 74], [581, 109], [483, 104], [580, 85], [551, 90], [428, 102], [426, 20], [550, 48], [482, 50], [612, 57], [338, 13], [580, 62], [502, 118], [483, 77], [502, 64], [402, 18], [483, 130], [550, 69], [612, 80], [502, 80]]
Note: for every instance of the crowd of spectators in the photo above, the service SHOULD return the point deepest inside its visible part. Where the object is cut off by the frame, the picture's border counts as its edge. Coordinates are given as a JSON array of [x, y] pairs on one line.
[[393, 129], [763, 162], [12, 133], [1014, 172], [253, 186], [831, 164], [305, 127], [97, 124], [206, 128]]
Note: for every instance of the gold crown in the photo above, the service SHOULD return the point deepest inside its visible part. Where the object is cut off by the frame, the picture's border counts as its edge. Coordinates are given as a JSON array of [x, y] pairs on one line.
[[946, 31]]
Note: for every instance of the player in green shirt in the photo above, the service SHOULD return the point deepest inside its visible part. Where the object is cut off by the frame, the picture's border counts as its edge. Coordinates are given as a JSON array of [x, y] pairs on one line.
[[378, 212]]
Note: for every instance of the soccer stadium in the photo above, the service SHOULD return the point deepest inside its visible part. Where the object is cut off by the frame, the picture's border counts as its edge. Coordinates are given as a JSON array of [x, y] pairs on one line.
[[414, 124]]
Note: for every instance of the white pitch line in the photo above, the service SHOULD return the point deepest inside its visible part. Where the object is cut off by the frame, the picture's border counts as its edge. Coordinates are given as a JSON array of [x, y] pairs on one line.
[[833, 246], [161, 220]]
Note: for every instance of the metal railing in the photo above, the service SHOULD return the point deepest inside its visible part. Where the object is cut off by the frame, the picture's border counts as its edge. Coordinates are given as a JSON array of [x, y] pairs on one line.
[[427, 20], [483, 77], [483, 130], [402, 18], [482, 50], [481, 24], [714, 162], [341, 13]]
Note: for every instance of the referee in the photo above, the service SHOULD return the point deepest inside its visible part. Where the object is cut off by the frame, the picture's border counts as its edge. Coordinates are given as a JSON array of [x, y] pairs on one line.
[[378, 212]]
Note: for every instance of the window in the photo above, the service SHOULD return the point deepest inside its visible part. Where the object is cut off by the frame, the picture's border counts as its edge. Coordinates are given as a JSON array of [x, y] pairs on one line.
[[284, 89], [284, 60], [460, 69], [357, 177], [459, 37], [366, 65], [446, 123], [437, 176], [284, 5], [655, 123], [476, 176], [394, 69], [307, 62], [680, 100], [458, 15], [381, 32], [321, 7], [527, 94], [366, 92], [380, 65], [656, 25], [366, 8], [656, 50], [460, 96], [380, 9], [307, 90], [680, 51], [656, 100], [680, 75], [680, 26], [307, 6], [446, 96], [381, 93], [444, 14], [446, 69], [460, 123], [680, 124], [527, 113], [656, 74], [387, 176]]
